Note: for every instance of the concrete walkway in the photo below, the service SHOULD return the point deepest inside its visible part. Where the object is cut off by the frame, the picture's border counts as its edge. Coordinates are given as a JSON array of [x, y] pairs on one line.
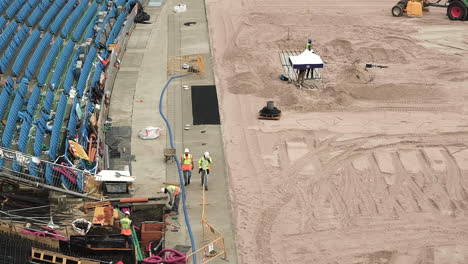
[[134, 105]]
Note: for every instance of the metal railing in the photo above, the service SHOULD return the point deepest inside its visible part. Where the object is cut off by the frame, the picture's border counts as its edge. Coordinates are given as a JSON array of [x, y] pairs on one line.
[[29, 169]]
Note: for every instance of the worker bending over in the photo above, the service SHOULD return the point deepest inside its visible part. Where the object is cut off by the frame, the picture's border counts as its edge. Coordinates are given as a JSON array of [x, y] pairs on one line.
[[187, 166], [174, 197], [204, 168], [126, 228]]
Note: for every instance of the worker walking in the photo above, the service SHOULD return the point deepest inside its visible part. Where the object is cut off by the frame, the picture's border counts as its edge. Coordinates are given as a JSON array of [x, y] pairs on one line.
[[187, 166], [126, 228], [204, 168], [174, 197]]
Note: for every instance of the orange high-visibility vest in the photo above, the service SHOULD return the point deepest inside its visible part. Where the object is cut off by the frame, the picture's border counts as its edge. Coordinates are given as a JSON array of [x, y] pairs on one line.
[[187, 161]]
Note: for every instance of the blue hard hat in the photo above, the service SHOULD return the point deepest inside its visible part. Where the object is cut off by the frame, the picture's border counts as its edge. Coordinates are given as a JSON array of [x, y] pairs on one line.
[[309, 40]]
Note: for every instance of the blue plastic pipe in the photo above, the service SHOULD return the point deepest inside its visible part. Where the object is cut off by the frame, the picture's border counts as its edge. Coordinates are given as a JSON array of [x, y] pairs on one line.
[[179, 169]]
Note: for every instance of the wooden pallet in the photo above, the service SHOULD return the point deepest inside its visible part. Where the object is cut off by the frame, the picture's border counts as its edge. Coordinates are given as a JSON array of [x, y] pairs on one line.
[[93, 205], [195, 61], [57, 258]]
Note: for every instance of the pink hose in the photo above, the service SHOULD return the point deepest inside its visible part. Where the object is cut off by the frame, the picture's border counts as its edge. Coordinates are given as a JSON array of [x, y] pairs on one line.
[[175, 257], [153, 260]]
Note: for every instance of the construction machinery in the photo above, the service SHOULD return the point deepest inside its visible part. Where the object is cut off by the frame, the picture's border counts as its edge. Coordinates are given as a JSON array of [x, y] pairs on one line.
[[269, 112], [456, 9]]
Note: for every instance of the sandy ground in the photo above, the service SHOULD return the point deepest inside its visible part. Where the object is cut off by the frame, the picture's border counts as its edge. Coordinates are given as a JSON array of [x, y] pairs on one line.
[[372, 167]]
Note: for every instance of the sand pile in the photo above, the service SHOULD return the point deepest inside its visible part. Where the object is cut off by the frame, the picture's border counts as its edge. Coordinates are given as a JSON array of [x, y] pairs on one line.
[[372, 167]]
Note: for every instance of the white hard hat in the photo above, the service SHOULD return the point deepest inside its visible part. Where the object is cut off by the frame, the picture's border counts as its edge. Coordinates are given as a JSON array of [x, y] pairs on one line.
[[206, 154], [186, 150], [163, 189], [127, 212]]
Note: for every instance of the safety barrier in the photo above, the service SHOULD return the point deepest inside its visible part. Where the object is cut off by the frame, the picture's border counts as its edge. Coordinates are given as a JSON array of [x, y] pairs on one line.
[[213, 241], [34, 170]]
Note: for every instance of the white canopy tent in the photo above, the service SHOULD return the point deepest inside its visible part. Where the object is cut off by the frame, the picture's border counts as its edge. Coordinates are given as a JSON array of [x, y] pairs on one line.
[[306, 60]]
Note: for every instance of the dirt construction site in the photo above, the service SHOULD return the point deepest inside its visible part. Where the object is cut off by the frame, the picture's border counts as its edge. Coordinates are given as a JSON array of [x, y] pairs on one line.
[[368, 167]]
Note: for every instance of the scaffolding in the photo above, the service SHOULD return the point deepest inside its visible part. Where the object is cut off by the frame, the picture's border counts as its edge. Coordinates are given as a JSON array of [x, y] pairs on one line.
[[311, 83]]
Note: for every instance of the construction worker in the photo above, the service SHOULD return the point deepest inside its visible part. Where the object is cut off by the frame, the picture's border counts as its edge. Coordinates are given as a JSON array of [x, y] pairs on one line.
[[126, 228], [308, 45], [204, 168], [187, 166], [174, 196], [300, 78]]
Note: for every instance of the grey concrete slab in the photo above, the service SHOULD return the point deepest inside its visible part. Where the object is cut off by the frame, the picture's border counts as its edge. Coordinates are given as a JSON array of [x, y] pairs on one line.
[[132, 59], [122, 98]]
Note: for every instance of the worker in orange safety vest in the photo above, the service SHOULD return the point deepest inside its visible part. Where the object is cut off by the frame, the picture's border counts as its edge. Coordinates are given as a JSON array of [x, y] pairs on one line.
[[174, 196], [126, 228], [187, 166]]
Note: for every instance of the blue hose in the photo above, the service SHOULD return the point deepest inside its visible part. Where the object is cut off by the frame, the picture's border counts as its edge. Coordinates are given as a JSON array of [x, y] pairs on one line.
[[179, 169]]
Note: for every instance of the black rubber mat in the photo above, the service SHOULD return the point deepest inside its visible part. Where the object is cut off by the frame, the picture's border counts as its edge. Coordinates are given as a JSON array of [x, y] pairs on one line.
[[205, 105]]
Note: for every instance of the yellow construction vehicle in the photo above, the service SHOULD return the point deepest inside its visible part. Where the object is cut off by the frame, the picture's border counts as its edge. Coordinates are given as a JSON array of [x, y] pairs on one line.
[[456, 9]]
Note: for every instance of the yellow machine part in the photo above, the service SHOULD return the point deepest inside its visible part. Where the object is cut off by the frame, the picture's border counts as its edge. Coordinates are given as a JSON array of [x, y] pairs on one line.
[[414, 8]]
